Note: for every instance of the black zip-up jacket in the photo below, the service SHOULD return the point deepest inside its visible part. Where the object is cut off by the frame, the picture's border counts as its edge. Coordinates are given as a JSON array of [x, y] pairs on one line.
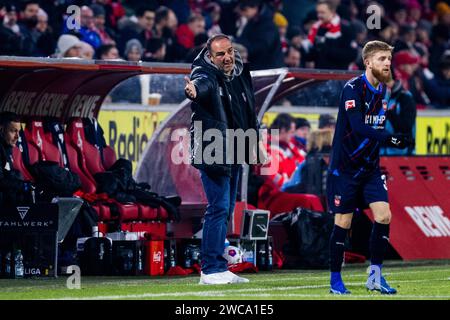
[[11, 182], [212, 108]]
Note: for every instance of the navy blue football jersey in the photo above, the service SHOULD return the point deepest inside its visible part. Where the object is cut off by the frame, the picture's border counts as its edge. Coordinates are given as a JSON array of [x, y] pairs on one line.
[[359, 128]]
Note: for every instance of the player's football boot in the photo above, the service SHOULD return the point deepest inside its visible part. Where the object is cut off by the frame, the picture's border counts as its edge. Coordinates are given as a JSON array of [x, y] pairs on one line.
[[339, 288], [380, 285]]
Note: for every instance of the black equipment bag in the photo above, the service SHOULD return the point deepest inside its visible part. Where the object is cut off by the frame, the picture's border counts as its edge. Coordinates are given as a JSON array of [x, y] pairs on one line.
[[96, 258], [308, 238], [54, 180]]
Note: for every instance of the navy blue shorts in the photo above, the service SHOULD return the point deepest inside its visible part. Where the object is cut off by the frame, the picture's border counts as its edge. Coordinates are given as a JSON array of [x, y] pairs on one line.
[[346, 193]]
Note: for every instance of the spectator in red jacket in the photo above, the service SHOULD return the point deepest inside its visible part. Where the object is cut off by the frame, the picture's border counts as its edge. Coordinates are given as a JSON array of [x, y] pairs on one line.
[[282, 161], [186, 32]]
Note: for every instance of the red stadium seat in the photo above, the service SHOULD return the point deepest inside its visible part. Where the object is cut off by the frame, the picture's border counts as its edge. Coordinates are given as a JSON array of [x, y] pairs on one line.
[[19, 165], [87, 182], [36, 137], [89, 162], [91, 155], [147, 213], [109, 157]]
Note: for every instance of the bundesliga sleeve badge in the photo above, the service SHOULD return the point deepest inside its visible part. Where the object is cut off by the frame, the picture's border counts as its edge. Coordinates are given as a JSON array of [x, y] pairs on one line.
[[349, 104]]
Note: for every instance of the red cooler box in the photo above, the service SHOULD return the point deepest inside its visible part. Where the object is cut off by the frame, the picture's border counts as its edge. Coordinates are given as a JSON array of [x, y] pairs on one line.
[[154, 264]]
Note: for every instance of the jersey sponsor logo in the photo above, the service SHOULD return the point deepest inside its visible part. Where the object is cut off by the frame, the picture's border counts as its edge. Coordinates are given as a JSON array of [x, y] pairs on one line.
[[351, 85], [349, 104], [375, 120], [337, 200]]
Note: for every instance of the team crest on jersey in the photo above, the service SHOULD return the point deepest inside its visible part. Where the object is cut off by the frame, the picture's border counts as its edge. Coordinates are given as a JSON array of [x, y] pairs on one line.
[[385, 104], [337, 200], [349, 104]]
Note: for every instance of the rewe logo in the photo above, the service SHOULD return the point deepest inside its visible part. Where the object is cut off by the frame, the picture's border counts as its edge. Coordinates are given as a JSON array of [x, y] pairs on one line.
[[431, 220], [23, 211]]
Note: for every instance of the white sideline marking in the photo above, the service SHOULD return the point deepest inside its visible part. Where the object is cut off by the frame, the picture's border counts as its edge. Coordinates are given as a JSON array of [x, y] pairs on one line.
[[248, 292], [304, 276]]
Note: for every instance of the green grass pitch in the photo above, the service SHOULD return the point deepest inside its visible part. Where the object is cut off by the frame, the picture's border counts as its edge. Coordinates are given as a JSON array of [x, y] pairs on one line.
[[425, 280]]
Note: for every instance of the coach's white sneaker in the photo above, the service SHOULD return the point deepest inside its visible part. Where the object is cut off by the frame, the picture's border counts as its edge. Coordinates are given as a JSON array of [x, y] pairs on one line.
[[215, 278], [235, 278]]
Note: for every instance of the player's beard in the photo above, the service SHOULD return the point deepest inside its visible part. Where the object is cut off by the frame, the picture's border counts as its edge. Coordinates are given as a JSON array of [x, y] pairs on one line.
[[381, 76]]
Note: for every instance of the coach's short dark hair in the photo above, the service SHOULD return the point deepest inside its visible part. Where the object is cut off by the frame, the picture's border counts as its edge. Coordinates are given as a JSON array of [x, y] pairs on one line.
[[215, 38], [6, 117]]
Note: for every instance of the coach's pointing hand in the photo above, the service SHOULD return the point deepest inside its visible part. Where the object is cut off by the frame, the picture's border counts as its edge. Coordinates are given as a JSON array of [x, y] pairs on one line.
[[190, 90]]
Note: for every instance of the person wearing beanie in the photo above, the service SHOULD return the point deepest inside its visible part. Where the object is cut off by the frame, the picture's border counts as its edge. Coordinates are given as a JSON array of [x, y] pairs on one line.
[[405, 65], [68, 46], [86, 51], [282, 25], [443, 12], [133, 50]]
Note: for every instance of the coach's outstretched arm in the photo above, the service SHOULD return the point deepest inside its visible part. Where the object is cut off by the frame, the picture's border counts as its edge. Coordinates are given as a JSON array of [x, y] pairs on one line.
[[198, 86]]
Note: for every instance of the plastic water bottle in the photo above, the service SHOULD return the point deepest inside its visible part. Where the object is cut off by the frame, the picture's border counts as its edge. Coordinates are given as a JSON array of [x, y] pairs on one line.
[[18, 261], [8, 264], [262, 257], [196, 254], [139, 264], [95, 231], [172, 257], [248, 256], [129, 260], [166, 260], [269, 259], [187, 258]]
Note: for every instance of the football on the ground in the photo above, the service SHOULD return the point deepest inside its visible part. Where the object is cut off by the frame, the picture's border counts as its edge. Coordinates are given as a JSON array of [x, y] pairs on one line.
[[233, 254]]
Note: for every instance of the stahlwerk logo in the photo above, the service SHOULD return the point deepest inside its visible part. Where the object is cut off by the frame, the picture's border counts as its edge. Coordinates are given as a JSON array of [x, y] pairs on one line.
[[23, 211]]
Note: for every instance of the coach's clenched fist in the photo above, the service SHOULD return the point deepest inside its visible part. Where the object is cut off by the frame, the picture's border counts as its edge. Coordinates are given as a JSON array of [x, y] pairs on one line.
[[190, 90]]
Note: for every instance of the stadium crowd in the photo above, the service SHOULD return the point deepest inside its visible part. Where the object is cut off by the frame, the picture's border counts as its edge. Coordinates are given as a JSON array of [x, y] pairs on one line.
[[273, 33]]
